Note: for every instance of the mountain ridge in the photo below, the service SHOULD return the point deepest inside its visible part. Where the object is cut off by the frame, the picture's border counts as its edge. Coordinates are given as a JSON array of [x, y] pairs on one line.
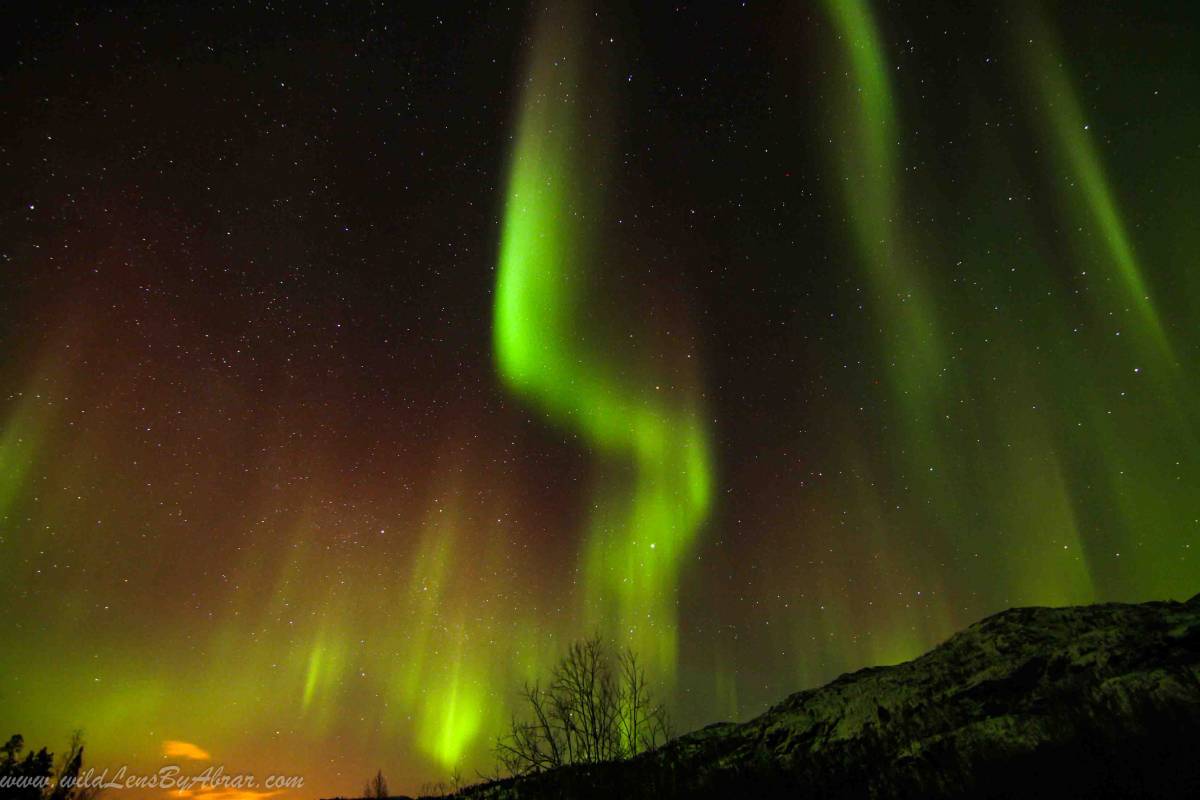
[[1100, 700]]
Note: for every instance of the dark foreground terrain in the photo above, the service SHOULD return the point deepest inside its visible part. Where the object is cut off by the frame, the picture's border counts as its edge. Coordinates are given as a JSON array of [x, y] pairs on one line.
[[1091, 701]]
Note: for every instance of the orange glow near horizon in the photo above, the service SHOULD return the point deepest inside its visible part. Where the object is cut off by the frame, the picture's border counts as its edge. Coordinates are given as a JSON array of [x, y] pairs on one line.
[[176, 749]]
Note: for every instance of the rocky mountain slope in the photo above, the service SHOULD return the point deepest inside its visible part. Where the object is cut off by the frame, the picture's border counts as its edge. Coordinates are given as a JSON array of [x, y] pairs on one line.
[[1090, 701]]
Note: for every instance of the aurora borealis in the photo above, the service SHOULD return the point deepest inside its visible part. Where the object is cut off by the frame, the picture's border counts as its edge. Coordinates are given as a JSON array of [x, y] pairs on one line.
[[355, 361], [618, 404]]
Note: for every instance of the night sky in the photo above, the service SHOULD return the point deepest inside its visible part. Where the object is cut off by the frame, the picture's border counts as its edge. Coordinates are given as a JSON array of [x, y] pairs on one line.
[[353, 361]]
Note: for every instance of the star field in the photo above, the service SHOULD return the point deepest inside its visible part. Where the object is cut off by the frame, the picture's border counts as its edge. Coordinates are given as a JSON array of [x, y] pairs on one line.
[[355, 360]]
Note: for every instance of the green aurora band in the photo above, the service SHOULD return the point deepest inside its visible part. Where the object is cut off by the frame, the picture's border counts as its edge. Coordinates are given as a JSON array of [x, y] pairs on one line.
[[546, 353]]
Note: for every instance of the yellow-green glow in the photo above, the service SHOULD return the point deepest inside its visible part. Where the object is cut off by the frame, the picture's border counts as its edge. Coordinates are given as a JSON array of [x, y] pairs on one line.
[[432, 677], [452, 710], [655, 486], [1049, 563], [314, 674], [323, 673]]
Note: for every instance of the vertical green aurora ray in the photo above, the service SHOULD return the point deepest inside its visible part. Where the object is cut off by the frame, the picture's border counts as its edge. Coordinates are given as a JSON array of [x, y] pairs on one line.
[[453, 710], [17, 450], [931, 452], [914, 357], [1070, 132], [911, 348], [866, 160], [22, 433], [656, 469], [1140, 494]]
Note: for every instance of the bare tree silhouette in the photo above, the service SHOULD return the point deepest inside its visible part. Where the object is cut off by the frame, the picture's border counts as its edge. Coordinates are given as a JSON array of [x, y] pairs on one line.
[[596, 708], [376, 788]]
